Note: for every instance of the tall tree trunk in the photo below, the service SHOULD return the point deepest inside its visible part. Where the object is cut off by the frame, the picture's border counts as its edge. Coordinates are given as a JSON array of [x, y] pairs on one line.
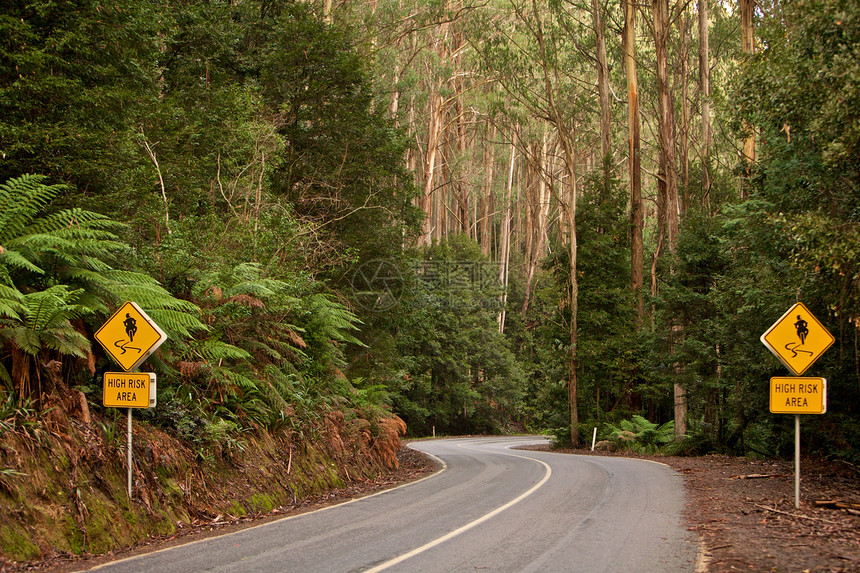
[[634, 161], [538, 209], [705, 97], [505, 236], [566, 134], [748, 41], [544, 198], [529, 207], [573, 296], [602, 83], [684, 70], [668, 206], [463, 212], [429, 200], [440, 193], [486, 222], [434, 129]]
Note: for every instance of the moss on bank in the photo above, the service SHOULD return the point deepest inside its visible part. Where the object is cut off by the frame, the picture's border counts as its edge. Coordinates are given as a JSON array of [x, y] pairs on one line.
[[63, 488]]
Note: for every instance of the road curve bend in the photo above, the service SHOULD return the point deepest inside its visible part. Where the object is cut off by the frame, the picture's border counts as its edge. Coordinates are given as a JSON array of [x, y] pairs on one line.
[[490, 508]]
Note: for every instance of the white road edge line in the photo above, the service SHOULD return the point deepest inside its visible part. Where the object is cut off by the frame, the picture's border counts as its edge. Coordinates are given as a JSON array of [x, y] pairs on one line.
[[468, 526], [443, 467]]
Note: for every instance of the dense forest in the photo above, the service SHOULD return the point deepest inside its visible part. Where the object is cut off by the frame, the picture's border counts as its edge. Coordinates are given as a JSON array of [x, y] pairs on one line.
[[479, 216]]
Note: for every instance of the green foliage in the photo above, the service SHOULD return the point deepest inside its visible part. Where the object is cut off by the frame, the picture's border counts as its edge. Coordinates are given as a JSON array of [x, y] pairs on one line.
[[639, 435], [454, 371], [71, 76], [798, 236], [245, 168]]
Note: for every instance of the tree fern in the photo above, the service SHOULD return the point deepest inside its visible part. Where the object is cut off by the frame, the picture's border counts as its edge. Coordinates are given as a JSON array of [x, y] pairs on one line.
[[21, 199], [43, 324], [11, 302], [640, 434], [56, 268], [46, 323], [331, 319]]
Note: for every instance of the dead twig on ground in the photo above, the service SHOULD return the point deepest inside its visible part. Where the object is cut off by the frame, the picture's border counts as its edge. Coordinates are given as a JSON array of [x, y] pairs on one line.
[[773, 509]]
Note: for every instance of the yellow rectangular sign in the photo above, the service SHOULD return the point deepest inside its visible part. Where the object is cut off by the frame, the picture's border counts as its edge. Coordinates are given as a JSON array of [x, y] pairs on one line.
[[795, 395], [127, 389]]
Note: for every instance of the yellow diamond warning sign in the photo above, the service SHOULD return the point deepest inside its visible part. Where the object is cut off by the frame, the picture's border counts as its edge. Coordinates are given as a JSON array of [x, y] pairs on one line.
[[794, 395], [128, 389], [797, 339], [130, 336]]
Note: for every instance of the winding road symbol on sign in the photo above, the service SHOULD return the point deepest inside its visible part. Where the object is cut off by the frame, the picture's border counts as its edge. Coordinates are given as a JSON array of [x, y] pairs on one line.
[[124, 346]]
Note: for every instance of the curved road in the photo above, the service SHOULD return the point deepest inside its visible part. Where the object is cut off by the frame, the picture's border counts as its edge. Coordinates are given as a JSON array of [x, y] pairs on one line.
[[491, 508]]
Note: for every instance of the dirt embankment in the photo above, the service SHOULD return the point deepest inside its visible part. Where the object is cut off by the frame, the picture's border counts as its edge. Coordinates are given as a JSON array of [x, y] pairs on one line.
[[63, 487]]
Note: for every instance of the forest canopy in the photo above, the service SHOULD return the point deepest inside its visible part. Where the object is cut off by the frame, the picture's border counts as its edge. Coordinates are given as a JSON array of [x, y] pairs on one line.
[[478, 216]]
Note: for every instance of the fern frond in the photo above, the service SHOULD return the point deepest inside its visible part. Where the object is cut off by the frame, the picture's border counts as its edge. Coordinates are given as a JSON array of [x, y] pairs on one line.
[[77, 220], [69, 342], [11, 302], [26, 339], [176, 322], [12, 258], [20, 199], [260, 348], [52, 307], [215, 350]]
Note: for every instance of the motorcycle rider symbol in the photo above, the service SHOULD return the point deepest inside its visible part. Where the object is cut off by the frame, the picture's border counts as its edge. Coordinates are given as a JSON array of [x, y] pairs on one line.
[[130, 329], [802, 328]]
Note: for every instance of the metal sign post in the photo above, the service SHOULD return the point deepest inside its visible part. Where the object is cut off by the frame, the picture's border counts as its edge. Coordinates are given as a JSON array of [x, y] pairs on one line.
[[797, 461], [129, 452]]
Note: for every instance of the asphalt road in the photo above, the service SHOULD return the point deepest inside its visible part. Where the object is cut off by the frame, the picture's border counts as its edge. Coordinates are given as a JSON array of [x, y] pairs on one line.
[[490, 508]]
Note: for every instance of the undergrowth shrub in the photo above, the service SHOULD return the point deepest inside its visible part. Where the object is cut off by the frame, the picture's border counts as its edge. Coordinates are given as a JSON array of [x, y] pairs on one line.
[[639, 435]]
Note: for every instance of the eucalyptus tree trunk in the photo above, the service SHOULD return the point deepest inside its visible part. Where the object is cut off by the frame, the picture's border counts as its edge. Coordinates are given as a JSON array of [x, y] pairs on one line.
[[602, 82], [538, 215], [461, 199], [705, 97], [634, 161], [748, 43], [667, 200], [429, 201], [529, 208], [668, 185], [464, 212], [565, 127], [573, 286], [505, 236], [440, 189], [543, 199], [485, 224], [684, 148], [434, 130]]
